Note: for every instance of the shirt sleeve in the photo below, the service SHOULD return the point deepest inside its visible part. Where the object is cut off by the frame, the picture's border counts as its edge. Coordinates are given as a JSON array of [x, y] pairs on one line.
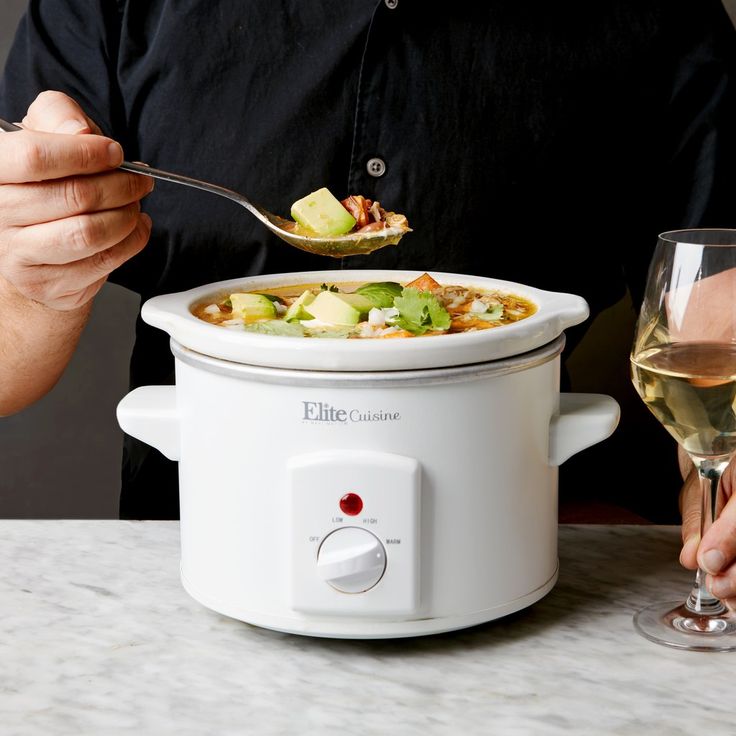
[[70, 46]]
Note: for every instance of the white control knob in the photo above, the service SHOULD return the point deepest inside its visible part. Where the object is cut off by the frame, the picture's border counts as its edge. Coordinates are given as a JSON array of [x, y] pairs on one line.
[[351, 560]]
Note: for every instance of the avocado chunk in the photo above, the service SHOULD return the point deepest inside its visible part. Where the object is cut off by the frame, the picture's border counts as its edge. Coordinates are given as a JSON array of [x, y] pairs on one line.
[[252, 306], [362, 303], [323, 214], [297, 309], [339, 309]]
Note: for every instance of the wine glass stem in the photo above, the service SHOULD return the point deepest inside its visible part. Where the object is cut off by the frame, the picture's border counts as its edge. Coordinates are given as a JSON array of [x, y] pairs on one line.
[[700, 600]]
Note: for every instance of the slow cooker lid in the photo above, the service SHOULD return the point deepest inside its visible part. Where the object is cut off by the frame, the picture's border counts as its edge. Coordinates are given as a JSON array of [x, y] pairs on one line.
[[172, 313]]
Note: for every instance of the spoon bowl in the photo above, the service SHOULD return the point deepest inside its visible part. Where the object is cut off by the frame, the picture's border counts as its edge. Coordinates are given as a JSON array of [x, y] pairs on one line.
[[351, 244]]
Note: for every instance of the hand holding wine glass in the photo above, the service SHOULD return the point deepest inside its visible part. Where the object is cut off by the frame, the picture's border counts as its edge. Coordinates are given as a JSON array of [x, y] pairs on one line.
[[684, 368], [720, 538]]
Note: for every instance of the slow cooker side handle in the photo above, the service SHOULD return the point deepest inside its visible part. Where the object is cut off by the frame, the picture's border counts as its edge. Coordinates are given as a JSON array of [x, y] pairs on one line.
[[150, 414], [582, 420]]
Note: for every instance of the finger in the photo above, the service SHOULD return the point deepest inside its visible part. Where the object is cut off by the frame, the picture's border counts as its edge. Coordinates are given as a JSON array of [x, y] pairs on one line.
[[72, 239], [105, 262], [32, 204], [684, 462], [717, 550], [728, 481], [82, 297], [70, 286], [723, 586], [28, 156], [85, 274], [55, 112], [690, 499]]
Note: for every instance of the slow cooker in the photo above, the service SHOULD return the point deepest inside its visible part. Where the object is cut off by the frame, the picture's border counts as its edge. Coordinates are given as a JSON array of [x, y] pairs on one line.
[[367, 488]]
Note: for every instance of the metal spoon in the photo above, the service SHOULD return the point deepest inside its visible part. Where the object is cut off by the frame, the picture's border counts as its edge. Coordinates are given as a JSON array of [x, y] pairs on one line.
[[339, 246]]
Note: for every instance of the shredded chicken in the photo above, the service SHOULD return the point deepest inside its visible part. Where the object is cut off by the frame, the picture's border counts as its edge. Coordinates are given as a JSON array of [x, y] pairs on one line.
[[369, 215], [359, 208]]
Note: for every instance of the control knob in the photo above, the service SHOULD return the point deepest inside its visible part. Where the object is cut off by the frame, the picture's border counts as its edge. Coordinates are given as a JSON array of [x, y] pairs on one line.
[[351, 560]]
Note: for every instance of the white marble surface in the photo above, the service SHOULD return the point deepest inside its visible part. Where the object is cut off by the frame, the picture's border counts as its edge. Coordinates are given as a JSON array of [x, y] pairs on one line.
[[97, 637]]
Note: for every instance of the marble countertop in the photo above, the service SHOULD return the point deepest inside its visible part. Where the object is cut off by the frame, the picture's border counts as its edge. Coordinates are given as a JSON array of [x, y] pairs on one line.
[[98, 637]]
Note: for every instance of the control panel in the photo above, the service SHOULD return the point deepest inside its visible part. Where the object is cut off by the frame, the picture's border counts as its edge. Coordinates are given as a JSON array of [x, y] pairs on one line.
[[354, 527]]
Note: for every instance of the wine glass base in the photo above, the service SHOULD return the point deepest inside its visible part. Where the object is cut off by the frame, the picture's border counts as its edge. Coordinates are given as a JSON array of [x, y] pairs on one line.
[[673, 625]]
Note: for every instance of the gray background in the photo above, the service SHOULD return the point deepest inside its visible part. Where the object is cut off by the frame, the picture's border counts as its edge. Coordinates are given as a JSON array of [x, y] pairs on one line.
[[61, 457]]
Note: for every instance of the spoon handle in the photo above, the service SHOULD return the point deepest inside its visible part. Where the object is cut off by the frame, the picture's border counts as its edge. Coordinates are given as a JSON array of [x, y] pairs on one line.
[[136, 168], [187, 181], [7, 127]]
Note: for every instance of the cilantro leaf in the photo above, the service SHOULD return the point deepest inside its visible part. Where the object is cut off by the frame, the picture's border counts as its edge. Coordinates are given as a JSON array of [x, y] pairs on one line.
[[420, 311]]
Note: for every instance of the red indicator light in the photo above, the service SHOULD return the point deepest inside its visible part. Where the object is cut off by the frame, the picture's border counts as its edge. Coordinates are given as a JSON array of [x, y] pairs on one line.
[[351, 504]]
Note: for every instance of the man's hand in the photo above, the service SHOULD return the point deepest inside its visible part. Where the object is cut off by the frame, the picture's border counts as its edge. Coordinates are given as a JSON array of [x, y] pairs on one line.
[[716, 552], [68, 217]]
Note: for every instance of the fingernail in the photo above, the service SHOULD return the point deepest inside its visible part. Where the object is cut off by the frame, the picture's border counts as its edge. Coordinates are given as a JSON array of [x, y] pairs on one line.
[[71, 127], [115, 151], [712, 561], [688, 549]]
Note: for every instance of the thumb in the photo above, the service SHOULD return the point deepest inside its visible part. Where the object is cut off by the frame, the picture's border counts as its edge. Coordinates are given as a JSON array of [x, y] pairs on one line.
[[55, 112], [690, 500]]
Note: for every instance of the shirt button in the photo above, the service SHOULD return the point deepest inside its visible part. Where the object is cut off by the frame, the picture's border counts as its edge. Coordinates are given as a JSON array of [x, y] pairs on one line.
[[376, 167], [391, 4]]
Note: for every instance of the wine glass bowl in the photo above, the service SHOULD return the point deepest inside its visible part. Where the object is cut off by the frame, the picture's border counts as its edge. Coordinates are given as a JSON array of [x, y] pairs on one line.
[[683, 366]]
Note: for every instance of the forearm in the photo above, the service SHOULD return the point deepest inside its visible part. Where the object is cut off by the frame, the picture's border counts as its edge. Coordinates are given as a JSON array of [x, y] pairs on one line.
[[36, 345]]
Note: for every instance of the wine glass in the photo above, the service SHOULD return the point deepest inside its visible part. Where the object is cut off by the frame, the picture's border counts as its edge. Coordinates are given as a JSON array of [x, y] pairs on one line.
[[683, 365]]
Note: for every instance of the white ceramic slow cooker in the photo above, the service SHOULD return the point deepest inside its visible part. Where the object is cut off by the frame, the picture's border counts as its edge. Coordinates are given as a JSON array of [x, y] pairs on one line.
[[367, 488]]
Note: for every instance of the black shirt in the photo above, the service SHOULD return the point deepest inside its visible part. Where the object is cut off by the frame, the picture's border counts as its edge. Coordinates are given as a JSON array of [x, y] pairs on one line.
[[546, 143]]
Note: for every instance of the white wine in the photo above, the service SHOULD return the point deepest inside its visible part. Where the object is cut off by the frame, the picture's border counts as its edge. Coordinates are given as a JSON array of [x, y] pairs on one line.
[[691, 388]]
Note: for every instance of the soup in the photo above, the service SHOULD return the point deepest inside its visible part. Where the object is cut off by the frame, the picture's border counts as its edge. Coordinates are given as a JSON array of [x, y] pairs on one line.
[[372, 310]]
